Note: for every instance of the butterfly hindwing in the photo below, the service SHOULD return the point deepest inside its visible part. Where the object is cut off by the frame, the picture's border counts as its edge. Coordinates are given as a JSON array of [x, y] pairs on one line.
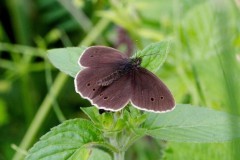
[[86, 80], [150, 93], [115, 96]]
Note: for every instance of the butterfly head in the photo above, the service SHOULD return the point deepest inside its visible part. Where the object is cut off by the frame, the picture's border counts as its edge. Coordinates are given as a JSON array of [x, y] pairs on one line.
[[136, 62]]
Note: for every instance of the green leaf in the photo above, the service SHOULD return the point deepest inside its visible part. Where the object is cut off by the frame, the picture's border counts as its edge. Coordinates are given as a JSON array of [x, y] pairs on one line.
[[66, 59], [82, 153], [90, 154], [65, 140], [193, 124], [200, 28], [92, 113], [154, 55], [98, 154]]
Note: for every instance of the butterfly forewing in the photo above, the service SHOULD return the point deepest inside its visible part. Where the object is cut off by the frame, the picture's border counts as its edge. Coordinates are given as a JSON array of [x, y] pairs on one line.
[[115, 96], [150, 93], [102, 62], [100, 56]]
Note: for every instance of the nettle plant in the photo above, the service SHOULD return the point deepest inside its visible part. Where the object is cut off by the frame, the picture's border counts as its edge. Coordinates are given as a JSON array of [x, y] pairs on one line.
[[109, 135]]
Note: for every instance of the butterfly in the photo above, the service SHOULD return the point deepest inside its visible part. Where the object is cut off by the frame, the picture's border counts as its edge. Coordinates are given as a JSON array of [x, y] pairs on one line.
[[110, 80]]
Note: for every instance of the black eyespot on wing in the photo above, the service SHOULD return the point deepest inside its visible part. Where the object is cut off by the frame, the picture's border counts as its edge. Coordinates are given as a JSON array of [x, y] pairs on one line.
[[105, 98]]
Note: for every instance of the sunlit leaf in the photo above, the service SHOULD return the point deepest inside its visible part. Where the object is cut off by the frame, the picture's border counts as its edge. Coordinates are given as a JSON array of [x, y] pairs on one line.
[[65, 140], [66, 59], [154, 55], [193, 124], [90, 154]]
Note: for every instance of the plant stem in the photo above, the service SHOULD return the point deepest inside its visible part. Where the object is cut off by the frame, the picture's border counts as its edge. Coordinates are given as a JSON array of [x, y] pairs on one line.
[[16, 49], [96, 31], [115, 142], [119, 155], [78, 14], [41, 114]]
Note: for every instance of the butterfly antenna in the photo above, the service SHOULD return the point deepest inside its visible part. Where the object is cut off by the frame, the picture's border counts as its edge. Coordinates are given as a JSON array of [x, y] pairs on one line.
[[167, 50], [150, 54], [137, 47], [135, 50]]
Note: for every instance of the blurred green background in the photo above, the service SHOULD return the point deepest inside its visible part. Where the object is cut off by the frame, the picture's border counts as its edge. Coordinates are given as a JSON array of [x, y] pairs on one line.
[[202, 67]]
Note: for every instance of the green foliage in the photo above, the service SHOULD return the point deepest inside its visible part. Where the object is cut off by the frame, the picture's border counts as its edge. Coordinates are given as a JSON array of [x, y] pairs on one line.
[[202, 69], [3, 113], [66, 141], [67, 60], [154, 55], [184, 124], [193, 124]]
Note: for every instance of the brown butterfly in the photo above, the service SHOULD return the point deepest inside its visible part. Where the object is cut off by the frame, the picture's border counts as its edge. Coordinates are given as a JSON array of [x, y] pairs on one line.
[[110, 80]]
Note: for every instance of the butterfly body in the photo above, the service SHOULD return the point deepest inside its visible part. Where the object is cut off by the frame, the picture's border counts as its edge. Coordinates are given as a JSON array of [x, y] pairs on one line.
[[125, 67], [110, 80]]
